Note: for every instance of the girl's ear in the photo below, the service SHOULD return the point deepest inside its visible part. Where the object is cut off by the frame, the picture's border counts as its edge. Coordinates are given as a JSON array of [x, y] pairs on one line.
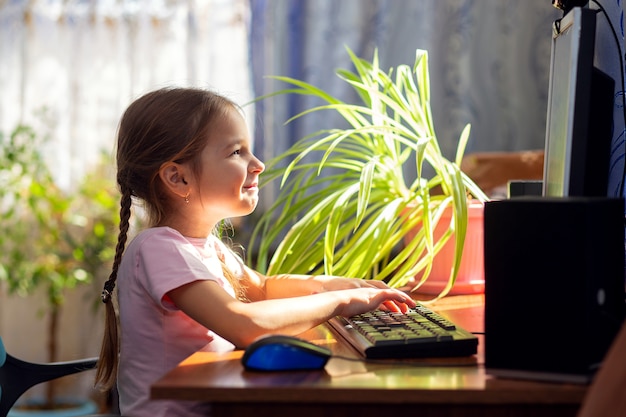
[[173, 177]]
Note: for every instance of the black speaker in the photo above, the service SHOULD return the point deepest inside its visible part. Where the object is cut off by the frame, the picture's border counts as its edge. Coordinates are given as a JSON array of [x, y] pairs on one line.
[[554, 285]]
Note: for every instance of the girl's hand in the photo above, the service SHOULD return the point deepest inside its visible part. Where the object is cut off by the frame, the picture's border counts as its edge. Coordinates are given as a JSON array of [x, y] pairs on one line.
[[362, 300]]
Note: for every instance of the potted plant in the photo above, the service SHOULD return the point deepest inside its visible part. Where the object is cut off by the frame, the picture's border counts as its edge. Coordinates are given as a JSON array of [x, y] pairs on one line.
[[345, 204], [51, 239]]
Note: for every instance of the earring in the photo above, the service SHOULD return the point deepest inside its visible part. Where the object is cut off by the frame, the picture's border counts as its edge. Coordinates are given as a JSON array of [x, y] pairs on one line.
[[187, 198]]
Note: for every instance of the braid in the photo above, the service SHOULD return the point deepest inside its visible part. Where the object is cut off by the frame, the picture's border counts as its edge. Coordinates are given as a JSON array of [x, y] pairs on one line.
[[106, 373], [125, 205]]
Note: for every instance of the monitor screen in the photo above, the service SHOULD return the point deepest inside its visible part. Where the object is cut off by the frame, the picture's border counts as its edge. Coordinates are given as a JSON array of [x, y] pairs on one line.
[[579, 117]]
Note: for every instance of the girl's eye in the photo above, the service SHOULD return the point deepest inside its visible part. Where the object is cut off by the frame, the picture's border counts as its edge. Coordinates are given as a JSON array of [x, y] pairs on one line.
[[237, 152]]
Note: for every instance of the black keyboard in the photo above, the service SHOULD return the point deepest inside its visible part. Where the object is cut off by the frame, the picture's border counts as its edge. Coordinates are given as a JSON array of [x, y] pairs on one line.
[[418, 333]]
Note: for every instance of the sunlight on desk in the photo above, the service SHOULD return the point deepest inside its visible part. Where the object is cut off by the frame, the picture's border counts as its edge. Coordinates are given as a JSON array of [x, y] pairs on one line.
[[403, 375], [209, 357]]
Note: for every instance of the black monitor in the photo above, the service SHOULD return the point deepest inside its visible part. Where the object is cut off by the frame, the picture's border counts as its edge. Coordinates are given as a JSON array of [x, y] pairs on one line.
[[580, 112]]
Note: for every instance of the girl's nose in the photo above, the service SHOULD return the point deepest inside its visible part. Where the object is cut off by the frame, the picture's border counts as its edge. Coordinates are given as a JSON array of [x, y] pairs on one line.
[[256, 165]]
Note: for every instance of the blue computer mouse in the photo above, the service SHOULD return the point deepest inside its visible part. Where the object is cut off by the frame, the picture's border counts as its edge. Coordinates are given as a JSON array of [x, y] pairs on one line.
[[284, 353]]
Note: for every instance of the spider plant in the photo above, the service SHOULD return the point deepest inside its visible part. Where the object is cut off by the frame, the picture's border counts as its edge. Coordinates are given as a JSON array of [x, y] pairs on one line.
[[344, 204]]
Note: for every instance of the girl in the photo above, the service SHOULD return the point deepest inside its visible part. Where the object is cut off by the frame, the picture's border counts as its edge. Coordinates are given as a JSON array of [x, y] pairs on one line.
[[186, 153]]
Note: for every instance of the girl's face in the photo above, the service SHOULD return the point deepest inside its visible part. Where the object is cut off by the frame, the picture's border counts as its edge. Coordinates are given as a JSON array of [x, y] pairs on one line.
[[228, 185]]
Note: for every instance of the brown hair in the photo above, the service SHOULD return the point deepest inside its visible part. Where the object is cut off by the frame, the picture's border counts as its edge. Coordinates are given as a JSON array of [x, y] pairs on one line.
[[170, 124]]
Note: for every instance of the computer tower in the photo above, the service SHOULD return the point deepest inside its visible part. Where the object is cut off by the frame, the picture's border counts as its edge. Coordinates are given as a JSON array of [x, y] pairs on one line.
[[554, 285]]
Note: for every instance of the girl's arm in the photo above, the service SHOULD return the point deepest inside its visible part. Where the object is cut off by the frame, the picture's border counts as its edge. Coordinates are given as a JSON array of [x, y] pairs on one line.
[[289, 285], [241, 323]]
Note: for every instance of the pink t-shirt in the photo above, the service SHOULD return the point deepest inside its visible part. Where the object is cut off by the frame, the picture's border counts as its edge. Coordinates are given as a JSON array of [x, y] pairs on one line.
[[155, 334]]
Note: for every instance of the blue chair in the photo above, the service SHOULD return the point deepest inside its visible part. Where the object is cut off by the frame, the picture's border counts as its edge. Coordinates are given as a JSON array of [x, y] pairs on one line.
[[17, 376]]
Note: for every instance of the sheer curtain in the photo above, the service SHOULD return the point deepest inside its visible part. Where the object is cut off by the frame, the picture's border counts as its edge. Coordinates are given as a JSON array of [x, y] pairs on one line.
[[488, 59], [489, 63], [83, 61]]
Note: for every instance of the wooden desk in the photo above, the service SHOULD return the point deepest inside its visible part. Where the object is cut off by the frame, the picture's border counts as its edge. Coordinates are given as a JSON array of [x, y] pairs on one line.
[[429, 387]]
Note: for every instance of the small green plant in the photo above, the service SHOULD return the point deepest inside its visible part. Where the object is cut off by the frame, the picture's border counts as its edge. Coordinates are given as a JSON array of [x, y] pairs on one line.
[[50, 238], [344, 201]]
